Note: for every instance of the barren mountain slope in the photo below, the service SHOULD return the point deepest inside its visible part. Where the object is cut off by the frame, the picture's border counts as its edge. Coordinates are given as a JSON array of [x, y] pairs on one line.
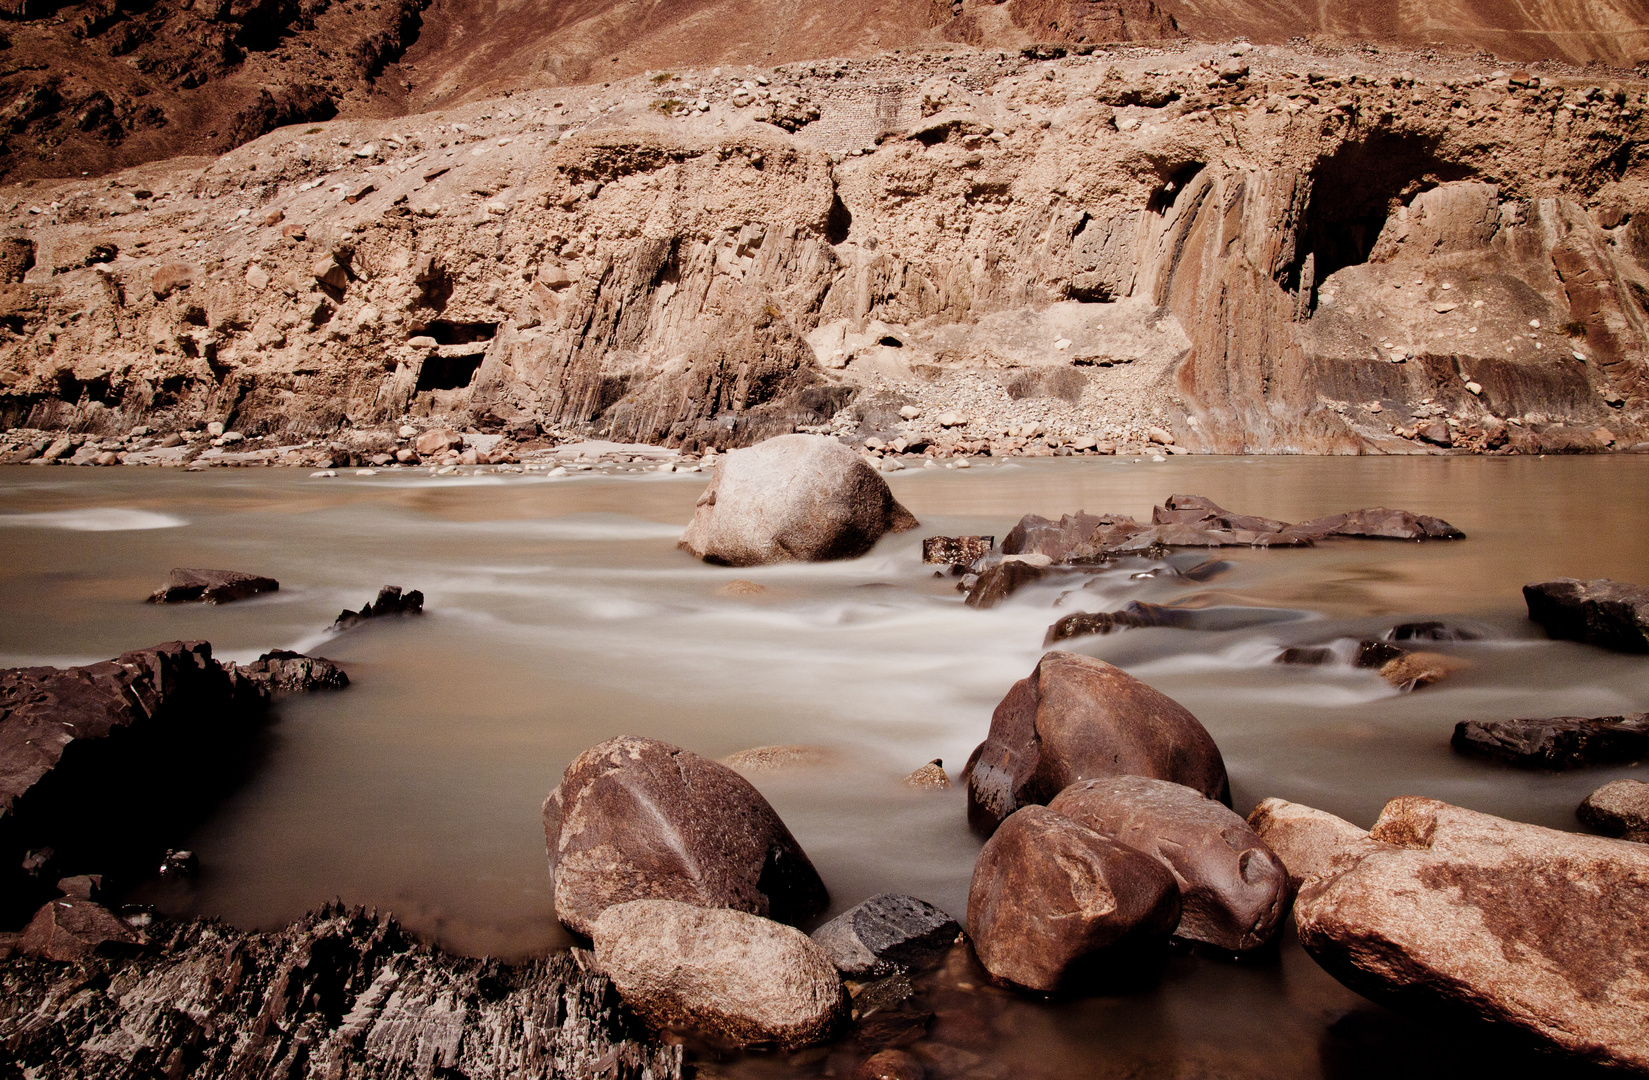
[[1615, 32]]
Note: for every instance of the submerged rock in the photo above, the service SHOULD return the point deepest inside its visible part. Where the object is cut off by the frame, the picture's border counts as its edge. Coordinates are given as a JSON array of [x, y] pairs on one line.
[[211, 586], [1135, 613], [283, 672], [736, 977], [885, 934], [1618, 809], [1054, 904], [1234, 892], [1445, 911], [1379, 523], [390, 601], [774, 758], [1076, 718], [1612, 614], [338, 993], [793, 498], [636, 819], [1562, 742]]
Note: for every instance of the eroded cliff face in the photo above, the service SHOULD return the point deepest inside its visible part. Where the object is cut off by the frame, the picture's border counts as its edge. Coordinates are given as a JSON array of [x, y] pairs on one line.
[[1261, 250]]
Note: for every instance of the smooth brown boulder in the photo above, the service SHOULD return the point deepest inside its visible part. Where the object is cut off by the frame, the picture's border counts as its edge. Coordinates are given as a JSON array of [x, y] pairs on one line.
[[1076, 718], [1618, 809], [792, 498], [1441, 911], [636, 819], [211, 586], [1053, 903], [1234, 891], [437, 441], [1612, 614], [733, 976], [70, 928]]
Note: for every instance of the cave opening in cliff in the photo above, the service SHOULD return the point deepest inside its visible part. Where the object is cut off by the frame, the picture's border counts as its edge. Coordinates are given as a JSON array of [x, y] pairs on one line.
[[449, 332], [1355, 189], [839, 222], [447, 372]]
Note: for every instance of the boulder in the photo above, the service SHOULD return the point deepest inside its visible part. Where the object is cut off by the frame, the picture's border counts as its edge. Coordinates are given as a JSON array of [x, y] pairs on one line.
[[1310, 843], [1618, 809], [1378, 523], [1562, 742], [1612, 614], [801, 498], [1451, 912], [956, 550], [211, 586], [636, 819], [736, 977], [391, 601], [1076, 718], [1053, 903], [994, 584], [1071, 535], [885, 934], [1135, 613], [437, 441], [1233, 891], [1201, 510], [70, 928], [281, 671]]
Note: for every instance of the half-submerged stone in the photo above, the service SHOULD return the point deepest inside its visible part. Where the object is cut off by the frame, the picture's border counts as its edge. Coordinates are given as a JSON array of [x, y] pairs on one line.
[[1612, 614], [1076, 718], [1439, 910], [391, 601], [1620, 808], [281, 671], [211, 586], [792, 498], [886, 934], [736, 977], [1561, 742], [637, 819]]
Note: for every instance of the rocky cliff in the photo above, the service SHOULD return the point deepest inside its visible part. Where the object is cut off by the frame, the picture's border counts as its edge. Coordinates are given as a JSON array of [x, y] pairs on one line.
[[1258, 249]]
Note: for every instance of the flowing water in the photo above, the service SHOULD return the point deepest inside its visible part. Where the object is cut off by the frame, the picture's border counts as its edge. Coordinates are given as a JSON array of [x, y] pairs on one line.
[[559, 614]]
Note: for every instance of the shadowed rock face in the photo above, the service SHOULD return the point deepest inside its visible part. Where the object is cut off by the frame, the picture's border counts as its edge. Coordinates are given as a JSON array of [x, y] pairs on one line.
[[1612, 614], [1234, 892], [885, 934], [1053, 904], [1445, 911], [637, 819], [1076, 718], [211, 586]]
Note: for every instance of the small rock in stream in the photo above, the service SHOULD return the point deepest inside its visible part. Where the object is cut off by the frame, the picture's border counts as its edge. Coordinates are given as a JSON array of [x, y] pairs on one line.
[[1612, 614], [1562, 742], [1618, 809], [391, 601], [285, 672], [956, 550], [885, 934], [211, 586]]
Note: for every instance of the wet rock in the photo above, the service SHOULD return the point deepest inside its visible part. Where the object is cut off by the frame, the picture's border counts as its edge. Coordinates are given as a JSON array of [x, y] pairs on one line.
[[1429, 631], [1376, 654], [70, 928], [1076, 718], [1053, 904], [1562, 742], [931, 775], [994, 584], [211, 586], [102, 765], [284, 672], [1618, 809], [1378, 523], [1612, 614], [367, 998], [734, 976], [885, 934], [1203, 511], [804, 498], [1233, 891], [1310, 843], [1411, 671], [639, 819], [1453, 912], [1071, 535], [1134, 614], [774, 758], [1306, 655], [390, 601], [890, 1065], [956, 550]]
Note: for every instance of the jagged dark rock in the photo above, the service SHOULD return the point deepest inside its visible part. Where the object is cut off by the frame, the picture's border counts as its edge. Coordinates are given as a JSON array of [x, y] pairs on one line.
[[211, 586], [391, 601], [886, 934], [339, 993], [284, 672]]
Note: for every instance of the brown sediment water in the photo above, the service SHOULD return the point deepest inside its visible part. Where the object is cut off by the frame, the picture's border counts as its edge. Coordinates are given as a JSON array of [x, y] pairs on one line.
[[559, 613]]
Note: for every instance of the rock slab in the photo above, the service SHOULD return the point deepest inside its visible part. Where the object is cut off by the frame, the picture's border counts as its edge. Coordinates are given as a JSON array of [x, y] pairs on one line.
[[1054, 904], [736, 977], [1076, 718], [639, 819], [1234, 891], [211, 586], [792, 498], [1561, 742], [1612, 614], [1439, 910], [885, 934]]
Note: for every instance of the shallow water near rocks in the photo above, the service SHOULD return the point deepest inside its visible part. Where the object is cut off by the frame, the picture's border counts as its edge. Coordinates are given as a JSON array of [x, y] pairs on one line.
[[559, 613]]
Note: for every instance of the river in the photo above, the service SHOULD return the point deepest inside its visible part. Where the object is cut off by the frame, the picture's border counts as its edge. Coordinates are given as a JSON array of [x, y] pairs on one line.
[[559, 614]]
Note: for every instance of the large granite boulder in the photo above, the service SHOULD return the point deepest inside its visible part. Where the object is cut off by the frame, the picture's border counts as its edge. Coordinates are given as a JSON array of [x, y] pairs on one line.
[[211, 586], [639, 819], [1561, 742], [108, 764], [1233, 891], [736, 977], [1076, 718], [1054, 904], [1618, 809], [71, 928], [1612, 614], [1439, 910], [885, 934], [793, 498]]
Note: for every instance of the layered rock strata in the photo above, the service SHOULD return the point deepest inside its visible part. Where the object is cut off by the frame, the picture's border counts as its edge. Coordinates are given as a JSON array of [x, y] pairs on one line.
[[1270, 251]]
